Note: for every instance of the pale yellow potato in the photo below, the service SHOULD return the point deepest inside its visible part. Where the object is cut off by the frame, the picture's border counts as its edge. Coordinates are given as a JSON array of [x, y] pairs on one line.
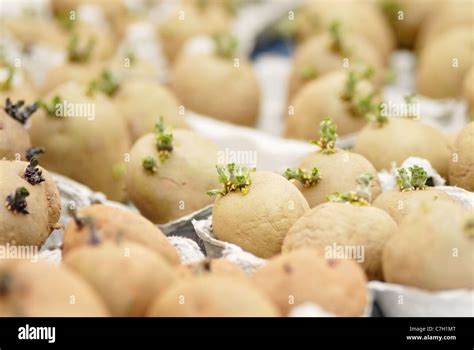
[[305, 276], [461, 165], [114, 223], [259, 220], [320, 99], [468, 89], [444, 63], [214, 267], [180, 184], [126, 275], [214, 86], [345, 225], [339, 172], [43, 205], [401, 138], [41, 289], [87, 149], [433, 249], [212, 296], [14, 139]]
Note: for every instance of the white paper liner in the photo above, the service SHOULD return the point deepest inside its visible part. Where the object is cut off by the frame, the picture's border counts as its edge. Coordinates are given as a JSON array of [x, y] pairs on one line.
[[187, 249]]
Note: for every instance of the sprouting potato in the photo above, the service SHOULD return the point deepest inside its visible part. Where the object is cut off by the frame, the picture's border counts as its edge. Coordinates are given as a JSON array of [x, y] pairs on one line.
[[255, 210], [16, 84], [432, 249], [461, 164], [40, 289], [212, 296], [302, 276], [85, 137], [340, 95], [169, 173], [331, 169], [114, 223], [444, 63], [29, 203], [217, 85]]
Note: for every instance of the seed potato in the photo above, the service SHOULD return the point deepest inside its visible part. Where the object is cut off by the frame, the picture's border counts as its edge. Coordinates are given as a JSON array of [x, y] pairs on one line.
[[14, 138], [461, 166]]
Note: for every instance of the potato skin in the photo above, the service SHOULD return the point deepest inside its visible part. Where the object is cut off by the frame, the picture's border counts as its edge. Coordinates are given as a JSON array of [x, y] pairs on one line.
[[468, 89], [344, 224], [40, 289], [113, 223], [422, 253], [319, 99], [143, 101], [82, 149], [14, 139], [258, 221], [179, 186], [400, 139], [211, 85], [400, 204], [317, 51], [338, 286], [339, 172], [214, 267], [126, 275], [461, 173], [44, 206], [436, 75], [212, 296]]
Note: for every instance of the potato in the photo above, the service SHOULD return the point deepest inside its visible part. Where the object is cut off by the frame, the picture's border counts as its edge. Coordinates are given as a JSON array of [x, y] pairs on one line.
[[359, 17], [212, 296], [360, 231], [87, 144], [304, 276], [433, 248], [258, 220], [461, 166], [40, 289], [317, 56], [125, 274], [401, 138], [189, 21], [321, 98], [16, 84], [339, 172], [177, 185], [212, 85], [449, 15], [114, 223], [214, 267], [444, 62], [143, 101], [468, 89], [30, 225]]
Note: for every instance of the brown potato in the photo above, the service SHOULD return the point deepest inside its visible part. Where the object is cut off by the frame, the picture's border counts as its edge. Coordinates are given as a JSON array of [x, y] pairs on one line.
[[126, 275], [225, 91], [43, 206], [179, 184], [339, 172], [258, 221], [322, 98], [88, 144], [333, 225], [40, 289], [444, 62], [114, 223], [433, 248], [461, 166], [302, 276], [212, 296], [401, 138]]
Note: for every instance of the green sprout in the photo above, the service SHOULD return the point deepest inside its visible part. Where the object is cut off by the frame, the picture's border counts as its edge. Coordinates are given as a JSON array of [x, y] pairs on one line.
[[376, 116], [412, 179], [78, 54], [118, 170], [308, 72], [6, 85], [164, 140], [353, 79], [65, 21], [226, 45], [33, 174], [16, 202], [106, 83], [328, 136], [308, 179], [361, 196], [390, 9], [52, 108], [234, 178], [149, 164], [410, 100], [337, 43]]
